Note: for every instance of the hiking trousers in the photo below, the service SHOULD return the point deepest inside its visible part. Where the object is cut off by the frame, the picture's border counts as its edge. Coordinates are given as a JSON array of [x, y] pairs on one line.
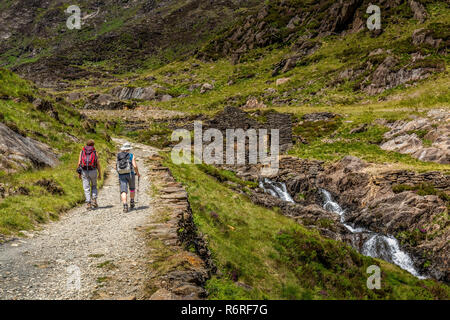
[[89, 178]]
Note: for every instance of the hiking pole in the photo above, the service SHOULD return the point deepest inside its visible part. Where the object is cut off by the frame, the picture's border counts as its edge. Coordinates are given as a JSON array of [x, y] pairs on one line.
[[137, 191]]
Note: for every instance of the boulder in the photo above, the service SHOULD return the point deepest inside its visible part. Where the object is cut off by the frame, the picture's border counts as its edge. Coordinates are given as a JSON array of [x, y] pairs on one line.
[[166, 97], [253, 103], [319, 116], [18, 152], [127, 93], [406, 144], [74, 96], [420, 13], [206, 87], [281, 81]]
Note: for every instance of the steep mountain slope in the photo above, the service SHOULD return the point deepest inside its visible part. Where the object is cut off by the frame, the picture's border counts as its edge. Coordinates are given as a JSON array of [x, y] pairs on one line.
[[122, 34]]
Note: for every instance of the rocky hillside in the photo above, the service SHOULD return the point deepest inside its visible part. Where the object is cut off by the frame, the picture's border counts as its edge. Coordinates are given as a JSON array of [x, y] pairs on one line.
[[363, 114], [123, 35]]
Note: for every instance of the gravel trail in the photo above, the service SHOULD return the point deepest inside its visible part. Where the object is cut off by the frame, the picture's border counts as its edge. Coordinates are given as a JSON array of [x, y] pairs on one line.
[[105, 248]]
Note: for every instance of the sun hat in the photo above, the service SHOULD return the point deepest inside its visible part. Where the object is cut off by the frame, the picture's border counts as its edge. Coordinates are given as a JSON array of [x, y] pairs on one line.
[[126, 147]]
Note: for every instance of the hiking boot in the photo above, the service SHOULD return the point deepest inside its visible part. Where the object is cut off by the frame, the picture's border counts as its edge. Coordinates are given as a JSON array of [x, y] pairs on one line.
[[89, 206], [125, 208], [94, 204], [132, 204]]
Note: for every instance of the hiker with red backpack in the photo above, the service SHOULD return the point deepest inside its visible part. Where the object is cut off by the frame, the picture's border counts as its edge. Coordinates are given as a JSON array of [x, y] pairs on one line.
[[88, 170]]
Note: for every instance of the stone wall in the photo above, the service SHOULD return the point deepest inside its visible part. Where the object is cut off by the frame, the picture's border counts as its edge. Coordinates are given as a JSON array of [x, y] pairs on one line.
[[235, 118], [434, 178], [178, 272]]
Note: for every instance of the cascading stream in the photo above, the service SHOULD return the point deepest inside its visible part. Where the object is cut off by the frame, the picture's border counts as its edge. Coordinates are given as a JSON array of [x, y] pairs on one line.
[[377, 246], [276, 189]]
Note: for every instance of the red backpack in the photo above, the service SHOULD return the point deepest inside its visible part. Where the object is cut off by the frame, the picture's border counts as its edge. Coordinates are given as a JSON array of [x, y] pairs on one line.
[[89, 158]]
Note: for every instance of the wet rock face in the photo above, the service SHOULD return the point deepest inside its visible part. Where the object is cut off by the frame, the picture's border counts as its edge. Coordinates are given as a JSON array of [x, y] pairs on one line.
[[18, 152], [371, 203], [311, 215]]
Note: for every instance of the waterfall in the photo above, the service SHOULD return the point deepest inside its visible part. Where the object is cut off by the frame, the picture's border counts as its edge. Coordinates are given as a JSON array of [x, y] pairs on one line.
[[333, 206], [388, 248], [378, 245], [276, 189]]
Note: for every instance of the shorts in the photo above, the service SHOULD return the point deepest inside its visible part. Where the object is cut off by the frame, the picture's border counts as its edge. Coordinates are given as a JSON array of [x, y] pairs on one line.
[[126, 181]]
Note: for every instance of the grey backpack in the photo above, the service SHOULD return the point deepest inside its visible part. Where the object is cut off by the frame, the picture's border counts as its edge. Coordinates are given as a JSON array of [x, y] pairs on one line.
[[124, 165]]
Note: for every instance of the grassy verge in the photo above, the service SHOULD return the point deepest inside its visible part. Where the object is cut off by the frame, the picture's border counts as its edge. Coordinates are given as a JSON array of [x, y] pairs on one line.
[[264, 255], [61, 128]]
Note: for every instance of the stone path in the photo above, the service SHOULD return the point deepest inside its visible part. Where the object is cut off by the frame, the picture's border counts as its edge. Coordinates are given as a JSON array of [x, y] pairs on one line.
[[105, 248]]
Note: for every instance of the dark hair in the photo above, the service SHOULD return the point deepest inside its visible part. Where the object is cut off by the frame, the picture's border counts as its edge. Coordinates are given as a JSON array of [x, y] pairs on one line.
[[90, 143]]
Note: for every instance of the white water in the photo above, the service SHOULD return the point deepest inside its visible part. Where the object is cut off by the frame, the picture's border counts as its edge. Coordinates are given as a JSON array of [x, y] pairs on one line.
[[276, 189], [387, 248], [377, 246]]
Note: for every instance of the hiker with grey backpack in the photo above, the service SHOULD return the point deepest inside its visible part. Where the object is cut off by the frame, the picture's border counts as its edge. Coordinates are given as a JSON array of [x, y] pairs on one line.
[[128, 170]]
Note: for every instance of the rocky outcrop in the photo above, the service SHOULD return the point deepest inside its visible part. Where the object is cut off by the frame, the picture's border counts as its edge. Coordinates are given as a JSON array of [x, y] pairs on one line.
[[371, 200], [420, 13], [340, 15], [103, 102], [425, 36], [388, 75], [301, 49], [127, 45], [126, 93], [372, 203], [18, 152], [435, 130]]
